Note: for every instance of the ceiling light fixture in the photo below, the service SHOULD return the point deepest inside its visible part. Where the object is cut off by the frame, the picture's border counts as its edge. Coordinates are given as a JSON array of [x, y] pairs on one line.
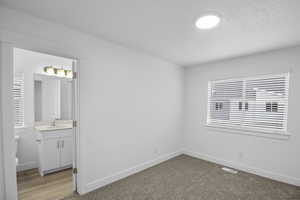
[[207, 21]]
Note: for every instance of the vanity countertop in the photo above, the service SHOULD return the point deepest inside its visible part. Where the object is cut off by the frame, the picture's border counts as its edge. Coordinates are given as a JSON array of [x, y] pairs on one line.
[[53, 125], [53, 128]]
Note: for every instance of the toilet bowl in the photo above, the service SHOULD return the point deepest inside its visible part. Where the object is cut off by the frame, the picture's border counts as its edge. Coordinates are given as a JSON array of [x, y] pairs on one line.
[[17, 138]]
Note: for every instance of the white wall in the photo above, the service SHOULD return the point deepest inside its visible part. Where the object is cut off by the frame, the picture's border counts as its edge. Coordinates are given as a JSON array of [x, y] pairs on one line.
[[274, 158], [7, 149], [130, 103], [29, 63], [2, 190]]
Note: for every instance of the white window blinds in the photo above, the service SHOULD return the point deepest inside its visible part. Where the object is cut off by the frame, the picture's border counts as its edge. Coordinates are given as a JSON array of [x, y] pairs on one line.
[[253, 103], [18, 95]]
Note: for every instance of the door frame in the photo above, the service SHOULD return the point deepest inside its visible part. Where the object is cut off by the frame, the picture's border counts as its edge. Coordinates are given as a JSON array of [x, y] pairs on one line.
[[7, 118], [75, 116]]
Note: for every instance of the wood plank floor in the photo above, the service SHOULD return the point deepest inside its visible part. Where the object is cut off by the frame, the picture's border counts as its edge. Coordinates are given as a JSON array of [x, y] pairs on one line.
[[55, 186]]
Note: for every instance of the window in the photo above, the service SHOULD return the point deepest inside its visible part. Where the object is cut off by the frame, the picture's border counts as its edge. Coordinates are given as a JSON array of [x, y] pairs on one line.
[[254, 103], [274, 107], [268, 107], [240, 105], [18, 96], [219, 106], [246, 106]]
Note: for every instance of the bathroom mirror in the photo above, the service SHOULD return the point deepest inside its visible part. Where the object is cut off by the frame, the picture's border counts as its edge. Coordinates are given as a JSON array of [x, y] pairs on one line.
[[52, 98]]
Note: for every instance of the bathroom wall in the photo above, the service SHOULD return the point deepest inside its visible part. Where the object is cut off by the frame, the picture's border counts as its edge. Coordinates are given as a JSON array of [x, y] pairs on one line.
[[29, 63]]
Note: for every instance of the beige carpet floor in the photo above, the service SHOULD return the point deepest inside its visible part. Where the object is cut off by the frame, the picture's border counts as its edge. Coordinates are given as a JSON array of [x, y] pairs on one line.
[[187, 178]]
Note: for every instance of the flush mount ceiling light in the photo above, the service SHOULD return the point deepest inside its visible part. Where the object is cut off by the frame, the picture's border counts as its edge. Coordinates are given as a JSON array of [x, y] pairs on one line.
[[207, 22]]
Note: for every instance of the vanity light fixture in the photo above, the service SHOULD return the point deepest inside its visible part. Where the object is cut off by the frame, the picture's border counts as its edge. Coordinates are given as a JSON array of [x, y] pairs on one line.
[[49, 70], [60, 72], [69, 73], [208, 21]]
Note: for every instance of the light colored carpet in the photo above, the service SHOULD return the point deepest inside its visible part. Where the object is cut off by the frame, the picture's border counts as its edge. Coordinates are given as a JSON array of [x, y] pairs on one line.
[[187, 178]]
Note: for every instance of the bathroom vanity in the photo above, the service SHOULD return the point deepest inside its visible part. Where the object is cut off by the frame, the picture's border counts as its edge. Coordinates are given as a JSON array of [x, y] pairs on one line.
[[55, 147], [53, 124]]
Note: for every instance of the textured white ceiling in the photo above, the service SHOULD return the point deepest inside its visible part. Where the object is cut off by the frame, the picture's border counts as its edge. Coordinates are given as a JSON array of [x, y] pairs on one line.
[[165, 28]]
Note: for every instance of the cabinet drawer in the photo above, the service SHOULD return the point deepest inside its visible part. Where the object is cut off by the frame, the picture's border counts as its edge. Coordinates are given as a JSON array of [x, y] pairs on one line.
[[56, 133]]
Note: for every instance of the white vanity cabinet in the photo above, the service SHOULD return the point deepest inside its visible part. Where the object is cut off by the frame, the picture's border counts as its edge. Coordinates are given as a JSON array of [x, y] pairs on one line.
[[55, 150]]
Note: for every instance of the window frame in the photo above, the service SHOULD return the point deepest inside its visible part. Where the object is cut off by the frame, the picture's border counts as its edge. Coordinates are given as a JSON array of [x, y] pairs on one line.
[[22, 100], [242, 128]]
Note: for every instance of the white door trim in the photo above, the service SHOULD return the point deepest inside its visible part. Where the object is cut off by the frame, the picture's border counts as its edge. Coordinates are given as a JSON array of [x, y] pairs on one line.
[[75, 116], [7, 118]]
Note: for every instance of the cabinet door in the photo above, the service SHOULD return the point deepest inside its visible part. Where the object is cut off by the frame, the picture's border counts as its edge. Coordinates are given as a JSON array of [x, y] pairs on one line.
[[50, 154], [66, 155]]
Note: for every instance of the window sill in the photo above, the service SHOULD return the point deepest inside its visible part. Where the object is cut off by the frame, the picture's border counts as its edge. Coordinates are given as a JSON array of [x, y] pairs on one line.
[[256, 133]]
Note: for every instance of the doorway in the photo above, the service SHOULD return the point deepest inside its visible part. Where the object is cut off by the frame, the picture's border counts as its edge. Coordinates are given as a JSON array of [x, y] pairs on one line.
[[44, 101]]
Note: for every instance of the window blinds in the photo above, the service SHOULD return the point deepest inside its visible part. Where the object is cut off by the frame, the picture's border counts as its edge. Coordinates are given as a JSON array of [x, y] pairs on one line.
[[254, 103], [18, 96]]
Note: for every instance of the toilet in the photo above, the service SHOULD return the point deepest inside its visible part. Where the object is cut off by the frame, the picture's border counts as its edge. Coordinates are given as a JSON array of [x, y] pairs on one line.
[[17, 138]]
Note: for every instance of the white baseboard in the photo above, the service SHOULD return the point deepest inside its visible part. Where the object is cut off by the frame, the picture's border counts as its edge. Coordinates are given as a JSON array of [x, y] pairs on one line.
[[249, 169], [125, 173], [26, 166]]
